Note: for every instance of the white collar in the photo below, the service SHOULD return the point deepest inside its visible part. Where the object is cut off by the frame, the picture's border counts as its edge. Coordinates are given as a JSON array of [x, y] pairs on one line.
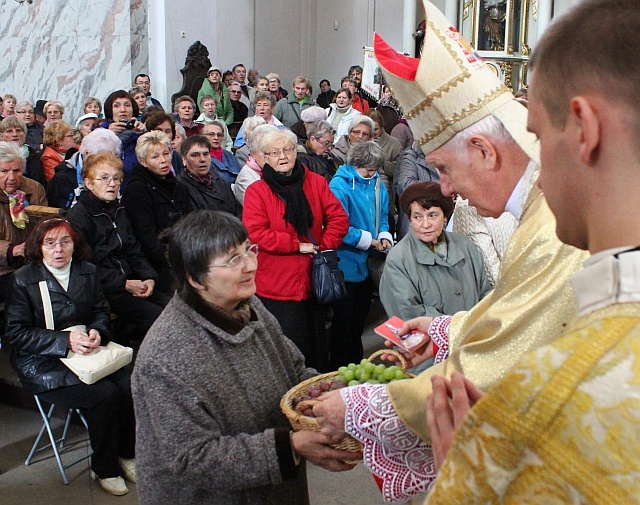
[[517, 200], [608, 277]]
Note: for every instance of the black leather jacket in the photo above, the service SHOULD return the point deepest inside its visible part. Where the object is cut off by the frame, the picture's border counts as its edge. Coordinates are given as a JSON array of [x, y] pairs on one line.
[[36, 351], [116, 250]]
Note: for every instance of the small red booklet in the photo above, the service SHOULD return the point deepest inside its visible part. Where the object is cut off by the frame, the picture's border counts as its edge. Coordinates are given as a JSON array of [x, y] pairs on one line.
[[390, 329]]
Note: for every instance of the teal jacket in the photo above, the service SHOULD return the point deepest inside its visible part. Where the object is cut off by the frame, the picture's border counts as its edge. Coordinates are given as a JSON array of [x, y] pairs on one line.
[[358, 197]]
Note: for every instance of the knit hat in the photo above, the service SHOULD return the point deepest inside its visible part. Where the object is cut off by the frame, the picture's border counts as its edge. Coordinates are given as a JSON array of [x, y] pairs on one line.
[[313, 114], [211, 69], [430, 193], [450, 88]]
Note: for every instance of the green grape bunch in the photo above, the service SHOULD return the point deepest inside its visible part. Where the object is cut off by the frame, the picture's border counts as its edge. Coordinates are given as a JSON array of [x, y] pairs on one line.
[[370, 373]]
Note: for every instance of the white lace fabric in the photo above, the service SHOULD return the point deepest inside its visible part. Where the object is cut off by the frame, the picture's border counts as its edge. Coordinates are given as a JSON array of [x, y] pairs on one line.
[[439, 333], [391, 451]]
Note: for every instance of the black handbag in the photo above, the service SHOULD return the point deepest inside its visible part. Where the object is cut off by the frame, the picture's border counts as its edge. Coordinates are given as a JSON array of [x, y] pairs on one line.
[[327, 279]]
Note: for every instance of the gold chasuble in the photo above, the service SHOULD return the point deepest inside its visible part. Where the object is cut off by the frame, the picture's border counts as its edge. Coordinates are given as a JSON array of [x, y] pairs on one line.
[[530, 306], [563, 427]]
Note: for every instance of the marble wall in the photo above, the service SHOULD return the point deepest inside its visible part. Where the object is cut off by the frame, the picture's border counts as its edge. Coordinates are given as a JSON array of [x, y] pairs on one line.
[[71, 49]]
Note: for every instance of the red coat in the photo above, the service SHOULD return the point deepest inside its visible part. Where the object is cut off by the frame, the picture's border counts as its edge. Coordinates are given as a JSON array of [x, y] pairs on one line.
[[284, 273]]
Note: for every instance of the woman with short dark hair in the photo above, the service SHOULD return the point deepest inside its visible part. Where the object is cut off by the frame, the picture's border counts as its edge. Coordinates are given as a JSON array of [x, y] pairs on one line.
[[431, 272], [121, 111], [57, 255], [209, 378]]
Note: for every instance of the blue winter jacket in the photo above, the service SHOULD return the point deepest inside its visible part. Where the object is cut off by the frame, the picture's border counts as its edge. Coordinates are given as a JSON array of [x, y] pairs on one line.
[[357, 196]]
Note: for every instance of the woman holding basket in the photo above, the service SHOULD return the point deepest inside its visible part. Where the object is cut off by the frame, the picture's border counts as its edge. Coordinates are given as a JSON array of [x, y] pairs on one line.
[[209, 427]]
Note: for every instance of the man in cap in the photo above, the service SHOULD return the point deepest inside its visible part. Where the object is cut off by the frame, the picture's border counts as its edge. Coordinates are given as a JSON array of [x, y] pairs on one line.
[[474, 132], [562, 426]]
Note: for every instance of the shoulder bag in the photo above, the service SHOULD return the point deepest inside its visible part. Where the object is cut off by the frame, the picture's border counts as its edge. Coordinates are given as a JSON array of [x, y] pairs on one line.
[[89, 368]]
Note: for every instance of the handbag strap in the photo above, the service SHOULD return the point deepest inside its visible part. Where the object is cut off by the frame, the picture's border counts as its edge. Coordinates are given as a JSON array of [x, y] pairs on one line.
[[46, 304]]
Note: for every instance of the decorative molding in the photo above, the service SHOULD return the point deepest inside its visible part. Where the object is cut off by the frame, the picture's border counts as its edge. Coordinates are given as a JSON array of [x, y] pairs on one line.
[[534, 9], [465, 9]]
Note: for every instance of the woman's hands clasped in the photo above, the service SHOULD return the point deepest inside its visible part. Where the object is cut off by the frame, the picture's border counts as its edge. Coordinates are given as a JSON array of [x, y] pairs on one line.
[[84, 343]]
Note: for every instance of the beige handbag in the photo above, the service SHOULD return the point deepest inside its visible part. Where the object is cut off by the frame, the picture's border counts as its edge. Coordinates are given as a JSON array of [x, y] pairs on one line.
[[89, 368]]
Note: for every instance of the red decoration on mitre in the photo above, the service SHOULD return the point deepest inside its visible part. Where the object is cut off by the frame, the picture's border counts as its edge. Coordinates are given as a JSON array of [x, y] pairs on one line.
[[394, 62]]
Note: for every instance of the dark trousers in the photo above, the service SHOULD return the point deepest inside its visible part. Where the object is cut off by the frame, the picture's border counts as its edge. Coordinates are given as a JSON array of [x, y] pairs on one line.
[[349, 318], [303, 323], [140, 311], [108, 407]]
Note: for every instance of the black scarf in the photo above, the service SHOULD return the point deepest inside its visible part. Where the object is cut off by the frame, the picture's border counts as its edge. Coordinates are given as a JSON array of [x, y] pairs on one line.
[[297, 211]]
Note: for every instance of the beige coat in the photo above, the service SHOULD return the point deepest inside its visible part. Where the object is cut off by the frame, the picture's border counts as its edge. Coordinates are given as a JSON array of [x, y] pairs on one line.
[[9, 234]]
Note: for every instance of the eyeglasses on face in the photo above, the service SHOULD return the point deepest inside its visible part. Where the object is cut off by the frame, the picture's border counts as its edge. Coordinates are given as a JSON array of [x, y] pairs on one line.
[[276, 153], [106, 179], [63, 242], [237, 261], [325, 143], [214, 134]]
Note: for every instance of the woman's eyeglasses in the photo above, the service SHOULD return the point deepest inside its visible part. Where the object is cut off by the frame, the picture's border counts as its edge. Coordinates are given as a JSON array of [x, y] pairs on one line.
[[106, 179], [64, 242], [214, 134], [237, 261], [276, 153]]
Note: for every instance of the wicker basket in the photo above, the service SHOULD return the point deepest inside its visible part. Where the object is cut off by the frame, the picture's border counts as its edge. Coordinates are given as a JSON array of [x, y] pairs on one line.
[[301, 422]]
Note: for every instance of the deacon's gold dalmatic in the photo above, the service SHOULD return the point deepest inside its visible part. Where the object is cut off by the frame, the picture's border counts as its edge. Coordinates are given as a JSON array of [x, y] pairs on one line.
[[530, 306], [563, 427]]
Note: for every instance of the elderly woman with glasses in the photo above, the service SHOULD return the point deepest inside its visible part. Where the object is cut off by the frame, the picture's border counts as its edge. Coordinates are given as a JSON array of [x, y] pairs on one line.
[[57, 254], [25, 111], [317, 147], [291, 213], [13, 129], [126, 276], [209, 427]]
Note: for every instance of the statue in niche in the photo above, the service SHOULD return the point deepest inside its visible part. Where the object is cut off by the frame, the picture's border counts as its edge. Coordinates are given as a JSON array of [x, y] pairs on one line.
[[493, 25], [196, 65]]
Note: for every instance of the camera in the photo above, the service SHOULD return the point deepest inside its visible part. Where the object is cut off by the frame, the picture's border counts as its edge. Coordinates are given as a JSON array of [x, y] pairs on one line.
[[129, 125]]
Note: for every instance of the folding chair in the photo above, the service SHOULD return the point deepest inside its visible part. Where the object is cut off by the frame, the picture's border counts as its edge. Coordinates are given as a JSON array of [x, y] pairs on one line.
[[56, 445]]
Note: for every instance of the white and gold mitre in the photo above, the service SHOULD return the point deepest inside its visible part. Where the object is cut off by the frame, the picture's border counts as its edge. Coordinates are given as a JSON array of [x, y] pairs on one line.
[[450, 87]]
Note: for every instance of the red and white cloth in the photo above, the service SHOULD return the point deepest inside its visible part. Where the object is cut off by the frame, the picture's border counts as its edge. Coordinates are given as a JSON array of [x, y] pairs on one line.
[[402, 461]]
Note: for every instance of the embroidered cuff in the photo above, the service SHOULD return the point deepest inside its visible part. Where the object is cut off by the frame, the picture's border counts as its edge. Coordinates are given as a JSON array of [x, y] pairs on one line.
[[402, 463], [439, 333]]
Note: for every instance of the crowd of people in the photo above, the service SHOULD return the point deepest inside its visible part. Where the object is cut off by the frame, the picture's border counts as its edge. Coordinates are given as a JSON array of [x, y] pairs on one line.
[[191, 233]]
